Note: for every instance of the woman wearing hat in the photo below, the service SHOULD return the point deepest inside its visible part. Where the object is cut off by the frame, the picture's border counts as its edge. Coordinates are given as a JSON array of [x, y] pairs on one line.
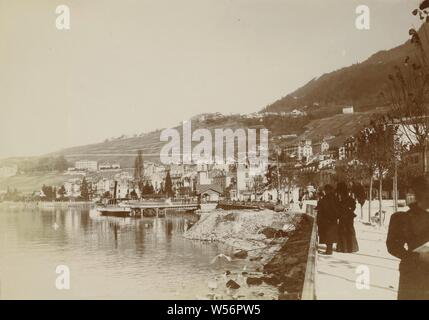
[[347, 241], [407, 232]]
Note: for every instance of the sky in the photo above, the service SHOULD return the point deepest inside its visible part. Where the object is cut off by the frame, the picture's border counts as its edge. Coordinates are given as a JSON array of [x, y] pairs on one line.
[[132, 66]]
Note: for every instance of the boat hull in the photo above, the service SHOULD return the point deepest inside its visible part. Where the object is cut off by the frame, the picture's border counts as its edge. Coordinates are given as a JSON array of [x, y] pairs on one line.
[[114, 212]]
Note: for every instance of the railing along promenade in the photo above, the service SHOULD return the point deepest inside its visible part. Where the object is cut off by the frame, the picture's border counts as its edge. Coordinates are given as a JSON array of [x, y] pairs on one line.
[[309, 287]]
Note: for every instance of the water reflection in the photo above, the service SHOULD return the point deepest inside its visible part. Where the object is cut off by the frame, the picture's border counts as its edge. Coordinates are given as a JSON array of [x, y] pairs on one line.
[[108, 257]]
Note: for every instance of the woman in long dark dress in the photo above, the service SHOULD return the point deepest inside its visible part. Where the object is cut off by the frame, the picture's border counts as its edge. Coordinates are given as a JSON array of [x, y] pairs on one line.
[[347, 241], [407, 232], [327, 218]]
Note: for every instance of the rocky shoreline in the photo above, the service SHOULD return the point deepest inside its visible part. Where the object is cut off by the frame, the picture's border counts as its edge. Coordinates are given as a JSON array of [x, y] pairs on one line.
[[272, 246]]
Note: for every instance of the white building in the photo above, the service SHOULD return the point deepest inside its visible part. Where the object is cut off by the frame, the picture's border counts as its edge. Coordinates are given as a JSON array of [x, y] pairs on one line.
[[157, 180], [326, 163], [86, 165], [108, 166], [242, 178], [342, 153], [72, 187], [324, 147], [104, 185], [152, 168], [177, 170], [305, 150], [123, 188], [298, 113], [348, 110], [204, 178]]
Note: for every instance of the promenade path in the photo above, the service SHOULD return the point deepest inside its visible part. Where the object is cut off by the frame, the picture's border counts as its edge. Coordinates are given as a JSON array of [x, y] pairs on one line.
[[337, 274]]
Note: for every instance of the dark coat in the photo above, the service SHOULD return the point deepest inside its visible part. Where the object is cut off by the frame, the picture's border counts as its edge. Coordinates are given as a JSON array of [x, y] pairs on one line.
[[410, 229], [347, 241], [327, 219]]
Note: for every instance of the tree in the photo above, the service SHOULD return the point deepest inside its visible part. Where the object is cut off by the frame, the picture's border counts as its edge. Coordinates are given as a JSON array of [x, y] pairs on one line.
[[84, 190], [148, 188], [308, 178], [366, 156], [359, 194], [349, 171], [288, 179], [62, 192], [409, 90], [257, 184], [133, 195], [168, 185], [49, 192], [273, 174], [60, 163], [377, 151], [106, 195], [273, 178], [139, 169]]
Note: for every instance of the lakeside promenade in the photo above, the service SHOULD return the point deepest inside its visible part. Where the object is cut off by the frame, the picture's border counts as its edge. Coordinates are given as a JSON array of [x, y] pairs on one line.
[[337, 274]]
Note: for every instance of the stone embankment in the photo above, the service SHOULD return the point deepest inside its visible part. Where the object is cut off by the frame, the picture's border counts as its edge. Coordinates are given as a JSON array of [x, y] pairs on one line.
[[273, 246]]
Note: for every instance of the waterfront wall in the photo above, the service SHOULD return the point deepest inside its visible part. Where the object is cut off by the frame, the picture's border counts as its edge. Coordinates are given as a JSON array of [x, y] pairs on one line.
[[45, 205]]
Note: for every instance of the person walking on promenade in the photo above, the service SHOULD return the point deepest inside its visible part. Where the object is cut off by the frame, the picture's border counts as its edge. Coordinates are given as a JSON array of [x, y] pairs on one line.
[[409, 231], [347, 241], [327, 219]]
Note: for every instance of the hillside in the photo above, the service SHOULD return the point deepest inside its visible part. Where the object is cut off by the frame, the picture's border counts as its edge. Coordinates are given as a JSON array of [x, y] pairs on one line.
[[124, 150], [359, 85], [337, 126]]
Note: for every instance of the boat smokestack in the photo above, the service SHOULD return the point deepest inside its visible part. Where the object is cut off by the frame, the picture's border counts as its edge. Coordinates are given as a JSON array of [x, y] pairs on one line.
[[115, 191]]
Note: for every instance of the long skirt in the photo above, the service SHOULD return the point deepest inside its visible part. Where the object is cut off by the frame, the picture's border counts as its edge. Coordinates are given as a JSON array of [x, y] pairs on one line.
[[413, 280], [347, 241], [328, 233]]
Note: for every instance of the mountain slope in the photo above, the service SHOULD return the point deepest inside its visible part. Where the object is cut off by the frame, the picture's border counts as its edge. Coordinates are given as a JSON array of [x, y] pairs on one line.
[[359, 85]]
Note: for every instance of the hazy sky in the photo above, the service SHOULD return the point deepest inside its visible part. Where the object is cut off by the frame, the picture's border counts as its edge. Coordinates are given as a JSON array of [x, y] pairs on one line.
[[131, 66]]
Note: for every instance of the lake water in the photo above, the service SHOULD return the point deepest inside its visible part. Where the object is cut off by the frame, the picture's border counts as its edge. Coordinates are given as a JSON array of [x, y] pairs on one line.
[[117, 258]]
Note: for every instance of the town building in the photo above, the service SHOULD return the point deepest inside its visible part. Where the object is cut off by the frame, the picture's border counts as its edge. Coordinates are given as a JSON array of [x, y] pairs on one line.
[[297, 113], [342, 153], [414, 160], [350, 147], [242, 178], [108, 166], [203, 171], [348, 110], [320, 147], [209, 193], [72, 188], [302, 151], [89, 165], [104, 185], [305, 149], [220, 178]]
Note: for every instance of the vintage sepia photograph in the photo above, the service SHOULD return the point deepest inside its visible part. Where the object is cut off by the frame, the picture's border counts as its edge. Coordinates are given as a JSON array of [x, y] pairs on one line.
[[241, 151]]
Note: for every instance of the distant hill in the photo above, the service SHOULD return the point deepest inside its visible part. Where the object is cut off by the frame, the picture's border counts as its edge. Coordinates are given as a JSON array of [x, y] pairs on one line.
[[359, 85], [124, 150]]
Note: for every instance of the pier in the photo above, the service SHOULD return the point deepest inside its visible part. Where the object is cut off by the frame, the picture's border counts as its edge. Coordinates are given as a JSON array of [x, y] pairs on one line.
[[163, 205], [146, 209]]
